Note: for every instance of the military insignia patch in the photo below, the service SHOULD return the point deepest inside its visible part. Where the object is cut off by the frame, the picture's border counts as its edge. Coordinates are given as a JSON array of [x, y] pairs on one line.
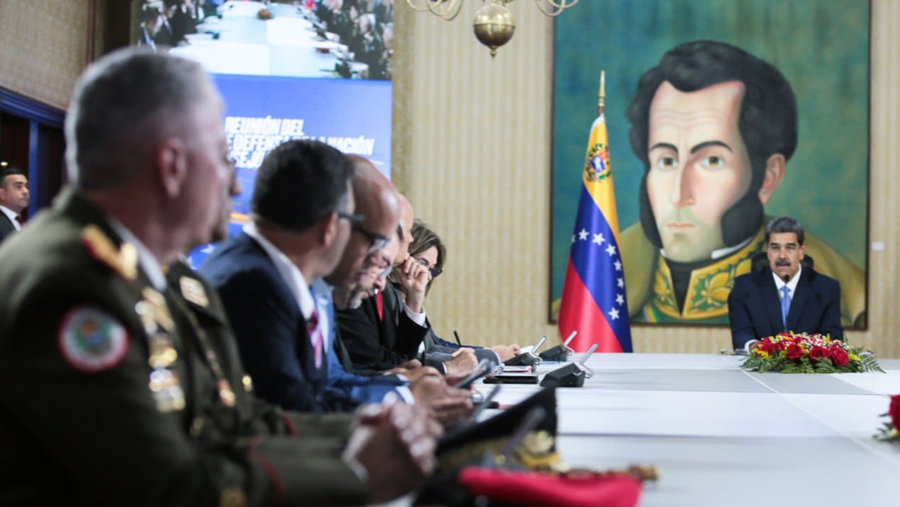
[[92, 340], [192, 290]]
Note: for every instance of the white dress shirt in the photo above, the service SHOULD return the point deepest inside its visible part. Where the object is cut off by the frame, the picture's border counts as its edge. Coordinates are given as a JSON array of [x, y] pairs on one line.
[[791, 284]]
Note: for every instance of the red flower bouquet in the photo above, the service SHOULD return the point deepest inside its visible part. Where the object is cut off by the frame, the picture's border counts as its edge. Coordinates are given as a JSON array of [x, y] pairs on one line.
[[890, 432], [805, 353]]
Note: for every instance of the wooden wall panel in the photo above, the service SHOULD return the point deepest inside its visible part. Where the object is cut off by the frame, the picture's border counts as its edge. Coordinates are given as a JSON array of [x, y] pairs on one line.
[[43, 47]]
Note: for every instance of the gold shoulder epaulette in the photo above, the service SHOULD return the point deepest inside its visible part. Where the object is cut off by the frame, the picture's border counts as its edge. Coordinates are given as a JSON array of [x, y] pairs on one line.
[[122, 260]]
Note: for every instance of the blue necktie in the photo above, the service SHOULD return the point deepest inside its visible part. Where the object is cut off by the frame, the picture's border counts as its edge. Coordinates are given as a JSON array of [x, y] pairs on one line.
[[785, 304]]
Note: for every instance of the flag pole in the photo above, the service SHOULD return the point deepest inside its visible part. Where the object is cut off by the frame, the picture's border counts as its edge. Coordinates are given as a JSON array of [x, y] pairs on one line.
[[601, 101]]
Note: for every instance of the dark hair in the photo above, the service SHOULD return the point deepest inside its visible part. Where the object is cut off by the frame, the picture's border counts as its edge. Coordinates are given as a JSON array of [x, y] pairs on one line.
[[786, 224], [767, 121], [9, 171], [299, 183], [425, 238], [123, 106], [149, 14]]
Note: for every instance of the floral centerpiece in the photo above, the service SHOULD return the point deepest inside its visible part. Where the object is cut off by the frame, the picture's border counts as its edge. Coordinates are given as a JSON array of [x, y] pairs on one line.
[[808, 353], [890, 432], [264, 14]]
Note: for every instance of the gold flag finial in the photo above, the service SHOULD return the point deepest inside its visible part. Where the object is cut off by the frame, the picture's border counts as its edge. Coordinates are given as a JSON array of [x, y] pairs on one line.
[[601, 102]]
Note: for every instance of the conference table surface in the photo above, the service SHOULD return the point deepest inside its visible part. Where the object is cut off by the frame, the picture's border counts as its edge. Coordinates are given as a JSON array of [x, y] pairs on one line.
[[286, 45], [721, 436]]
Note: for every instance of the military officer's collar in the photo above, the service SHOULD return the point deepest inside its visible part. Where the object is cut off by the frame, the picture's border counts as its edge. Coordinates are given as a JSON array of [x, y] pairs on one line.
[[147, 260]]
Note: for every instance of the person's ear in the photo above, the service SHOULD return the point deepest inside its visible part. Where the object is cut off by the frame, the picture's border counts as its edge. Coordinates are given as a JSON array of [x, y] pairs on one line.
[[172, 166], [775, 168], [328, 229]]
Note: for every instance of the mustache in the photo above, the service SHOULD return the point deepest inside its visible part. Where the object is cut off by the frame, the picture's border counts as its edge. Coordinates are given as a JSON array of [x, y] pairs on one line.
[[782, 262], [685, 215]]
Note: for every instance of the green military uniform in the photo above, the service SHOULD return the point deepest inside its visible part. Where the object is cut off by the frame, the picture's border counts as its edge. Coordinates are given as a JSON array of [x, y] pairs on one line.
[[114, 393], [651, 297]]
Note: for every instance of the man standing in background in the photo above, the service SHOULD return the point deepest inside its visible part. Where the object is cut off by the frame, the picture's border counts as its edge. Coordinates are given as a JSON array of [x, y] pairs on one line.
[[13, 200]]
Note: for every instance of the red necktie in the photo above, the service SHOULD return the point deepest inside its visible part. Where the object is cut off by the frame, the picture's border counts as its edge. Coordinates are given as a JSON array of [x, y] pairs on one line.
[[315, 336], [379, 302], [21, 220]]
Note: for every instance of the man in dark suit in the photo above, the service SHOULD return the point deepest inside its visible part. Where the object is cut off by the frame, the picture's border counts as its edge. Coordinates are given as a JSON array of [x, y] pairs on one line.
[[13, 200], [300, 223], [384, 331], [128, 389], [364, 265], [785, 296]]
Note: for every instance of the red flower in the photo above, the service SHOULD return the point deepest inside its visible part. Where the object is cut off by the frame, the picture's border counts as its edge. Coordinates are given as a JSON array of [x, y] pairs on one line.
[[894, 412], [817, 353], [764, 346], [839, 356], [779, 346], [794, 351]]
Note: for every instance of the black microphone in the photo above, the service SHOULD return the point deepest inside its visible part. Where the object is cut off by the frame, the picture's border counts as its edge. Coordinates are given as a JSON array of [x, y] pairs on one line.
[[559, 352], [570, 375], [529, 358]]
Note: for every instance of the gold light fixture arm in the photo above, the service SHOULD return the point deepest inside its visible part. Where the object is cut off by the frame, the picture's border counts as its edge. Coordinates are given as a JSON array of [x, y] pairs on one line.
[[444, 9], [553, 8]]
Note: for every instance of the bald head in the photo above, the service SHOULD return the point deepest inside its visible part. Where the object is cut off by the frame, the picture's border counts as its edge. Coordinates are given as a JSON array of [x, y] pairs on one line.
[[376, 198], [379, 203]]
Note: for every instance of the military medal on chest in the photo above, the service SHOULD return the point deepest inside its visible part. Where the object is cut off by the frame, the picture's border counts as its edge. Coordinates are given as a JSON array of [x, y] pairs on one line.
[[192, 290], [164, 383]]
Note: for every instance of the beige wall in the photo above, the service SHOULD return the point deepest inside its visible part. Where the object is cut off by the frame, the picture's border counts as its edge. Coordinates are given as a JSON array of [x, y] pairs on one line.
[[472, 150], [43, 47]]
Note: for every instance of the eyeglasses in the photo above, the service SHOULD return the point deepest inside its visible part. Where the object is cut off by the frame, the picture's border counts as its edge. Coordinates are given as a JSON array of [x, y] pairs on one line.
[[434, 270], [377, 242], [385, 272], [352, 218]]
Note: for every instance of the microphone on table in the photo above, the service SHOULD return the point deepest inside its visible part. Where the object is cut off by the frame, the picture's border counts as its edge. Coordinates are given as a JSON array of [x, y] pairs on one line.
[[570, 375], [559, 352], [528, 358]]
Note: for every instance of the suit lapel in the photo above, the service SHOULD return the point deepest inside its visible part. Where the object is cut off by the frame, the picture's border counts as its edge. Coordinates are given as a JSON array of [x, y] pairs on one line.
[[771, 300], [390, 319], [6, 225], [285, 299], [802, 294]]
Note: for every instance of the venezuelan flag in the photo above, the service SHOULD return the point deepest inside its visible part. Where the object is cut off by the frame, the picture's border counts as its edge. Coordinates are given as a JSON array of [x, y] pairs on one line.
[[594, 302]]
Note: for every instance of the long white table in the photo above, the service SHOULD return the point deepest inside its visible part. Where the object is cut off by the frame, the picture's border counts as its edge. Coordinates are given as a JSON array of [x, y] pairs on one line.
[[725, 437]]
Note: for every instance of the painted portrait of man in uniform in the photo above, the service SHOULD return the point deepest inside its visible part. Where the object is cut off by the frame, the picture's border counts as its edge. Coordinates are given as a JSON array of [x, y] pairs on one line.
[[713, 139]]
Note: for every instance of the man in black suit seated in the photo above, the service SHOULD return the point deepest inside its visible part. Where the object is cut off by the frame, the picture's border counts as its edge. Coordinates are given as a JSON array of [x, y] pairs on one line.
[[784, 295], [13, 199]]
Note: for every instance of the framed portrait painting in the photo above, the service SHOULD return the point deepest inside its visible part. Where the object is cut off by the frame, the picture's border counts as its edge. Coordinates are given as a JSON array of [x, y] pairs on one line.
[[722, 114]]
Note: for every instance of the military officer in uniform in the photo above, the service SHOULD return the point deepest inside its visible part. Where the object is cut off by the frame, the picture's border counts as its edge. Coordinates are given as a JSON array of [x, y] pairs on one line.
[[122, 385]]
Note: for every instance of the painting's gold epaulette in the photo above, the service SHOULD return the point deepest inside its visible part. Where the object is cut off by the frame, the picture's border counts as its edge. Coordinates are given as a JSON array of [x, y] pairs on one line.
[[122, 260]]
